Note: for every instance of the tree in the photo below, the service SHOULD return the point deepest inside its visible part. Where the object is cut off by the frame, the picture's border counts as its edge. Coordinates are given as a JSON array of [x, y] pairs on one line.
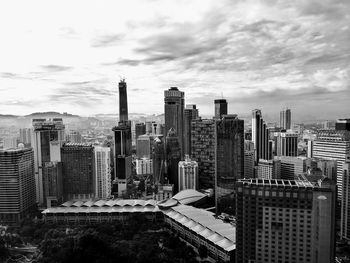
[[203, 251]]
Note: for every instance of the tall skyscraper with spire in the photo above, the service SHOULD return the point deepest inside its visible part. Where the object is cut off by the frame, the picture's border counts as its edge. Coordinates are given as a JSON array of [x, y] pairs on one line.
[[174, 101], [123, 101], [122, 142]]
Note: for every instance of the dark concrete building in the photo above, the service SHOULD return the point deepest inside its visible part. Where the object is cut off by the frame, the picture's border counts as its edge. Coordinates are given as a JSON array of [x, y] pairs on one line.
[[342, 125], [174, 102], [203, 151], [220, 108], [285, 221], [78, 170], [140, 129], [229, 160], [285, 119], [158, 157], [173, 157], [191, 113], [123, 101], [260, 137], [17, 185], [53, 185]]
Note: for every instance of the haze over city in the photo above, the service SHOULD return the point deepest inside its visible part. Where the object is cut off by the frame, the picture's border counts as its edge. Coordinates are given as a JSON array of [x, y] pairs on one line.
[[69, 56]]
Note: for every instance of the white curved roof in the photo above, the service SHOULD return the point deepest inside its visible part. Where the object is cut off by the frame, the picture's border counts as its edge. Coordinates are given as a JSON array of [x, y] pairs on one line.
[[188, 196]]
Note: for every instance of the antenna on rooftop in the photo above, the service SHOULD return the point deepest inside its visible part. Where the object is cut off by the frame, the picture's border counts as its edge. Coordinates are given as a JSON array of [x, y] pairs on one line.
[[122, 79]]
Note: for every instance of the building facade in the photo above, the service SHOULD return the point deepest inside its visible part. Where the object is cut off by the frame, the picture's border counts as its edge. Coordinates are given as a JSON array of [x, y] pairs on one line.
[[260, 137], [285, 119], [53, 184], [333, 144], [144, 166], [286, 143], [220, 108], [78, 170], [269, 169], [190, 113], [203, 151], [173, 157], [45, 132], [17, 185], [174, 103], [229, 160], [188, 174], [103, 176], [285, 221]]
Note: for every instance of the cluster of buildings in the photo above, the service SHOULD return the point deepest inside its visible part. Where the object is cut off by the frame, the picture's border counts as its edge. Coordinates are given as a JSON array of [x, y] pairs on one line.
[[285, 203]]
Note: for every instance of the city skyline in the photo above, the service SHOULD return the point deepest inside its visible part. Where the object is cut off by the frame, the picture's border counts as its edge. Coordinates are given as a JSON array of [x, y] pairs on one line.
[[255, 54]]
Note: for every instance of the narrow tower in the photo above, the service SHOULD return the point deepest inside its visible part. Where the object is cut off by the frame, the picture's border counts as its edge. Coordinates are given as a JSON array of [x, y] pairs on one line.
[[123, 101]]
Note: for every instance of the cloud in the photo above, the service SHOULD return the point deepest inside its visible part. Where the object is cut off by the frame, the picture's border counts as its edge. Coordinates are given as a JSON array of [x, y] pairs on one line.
[[55, 68], [107, 40]]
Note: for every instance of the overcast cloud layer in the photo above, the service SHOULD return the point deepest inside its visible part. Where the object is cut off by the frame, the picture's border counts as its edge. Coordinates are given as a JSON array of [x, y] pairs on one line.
[[70, 55]]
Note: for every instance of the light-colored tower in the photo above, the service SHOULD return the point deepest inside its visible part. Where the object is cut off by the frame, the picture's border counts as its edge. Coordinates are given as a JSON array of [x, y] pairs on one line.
[[188, 174], [103, 185], [45, 131]]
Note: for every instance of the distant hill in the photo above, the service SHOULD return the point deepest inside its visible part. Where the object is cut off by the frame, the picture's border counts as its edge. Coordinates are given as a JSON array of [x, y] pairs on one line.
[[8, 116], [51, 113]]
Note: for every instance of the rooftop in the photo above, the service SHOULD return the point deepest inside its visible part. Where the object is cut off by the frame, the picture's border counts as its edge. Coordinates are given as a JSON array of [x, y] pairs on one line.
[[277, 182], [205, 224]]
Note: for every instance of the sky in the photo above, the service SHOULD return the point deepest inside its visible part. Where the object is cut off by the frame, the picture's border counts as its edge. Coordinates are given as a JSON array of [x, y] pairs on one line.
[[68, 56]]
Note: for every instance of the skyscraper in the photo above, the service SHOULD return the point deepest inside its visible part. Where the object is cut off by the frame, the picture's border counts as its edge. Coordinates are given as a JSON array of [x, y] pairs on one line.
[[143, 146], [174, 101], [285, 221], [45, 131], [286, 143], [345, 203], [17, 184], [260, 137], [191, 113], [220, 108], [269, 169], [103, 183], [53, 185], [122, 142], [342, 125], [158, 159], [123, 101], [188, 174], [140, 129], [144, 166], [203, 151], [285, 119], [25, 136], [229, 160], [78, 170], [173, 157], [333, 144]]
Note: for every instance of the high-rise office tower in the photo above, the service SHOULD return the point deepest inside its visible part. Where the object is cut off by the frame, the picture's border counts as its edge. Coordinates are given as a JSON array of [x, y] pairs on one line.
[[53, 185], [342, 125], [332, 144], [345, 202], [122, 142], [220, 108], [229, 160], [203, 151], [149, 125], [74, 136], [140, 129], [188, 174], [286, 143], [78, 170], [248, 159], [157, 128], [123, 101], [291, 167], [122, 155], [285, 119], [191, 113], [45, 131], [143, 146], [269, 169], [260, 137], [25, 136], [17, 184], [144, 166], [103, 183], [173, 157], [174, 101], [285, 221], [158, 159]]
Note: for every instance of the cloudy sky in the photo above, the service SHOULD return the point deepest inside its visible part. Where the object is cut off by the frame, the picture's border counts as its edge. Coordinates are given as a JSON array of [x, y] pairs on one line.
[[70, 55]]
